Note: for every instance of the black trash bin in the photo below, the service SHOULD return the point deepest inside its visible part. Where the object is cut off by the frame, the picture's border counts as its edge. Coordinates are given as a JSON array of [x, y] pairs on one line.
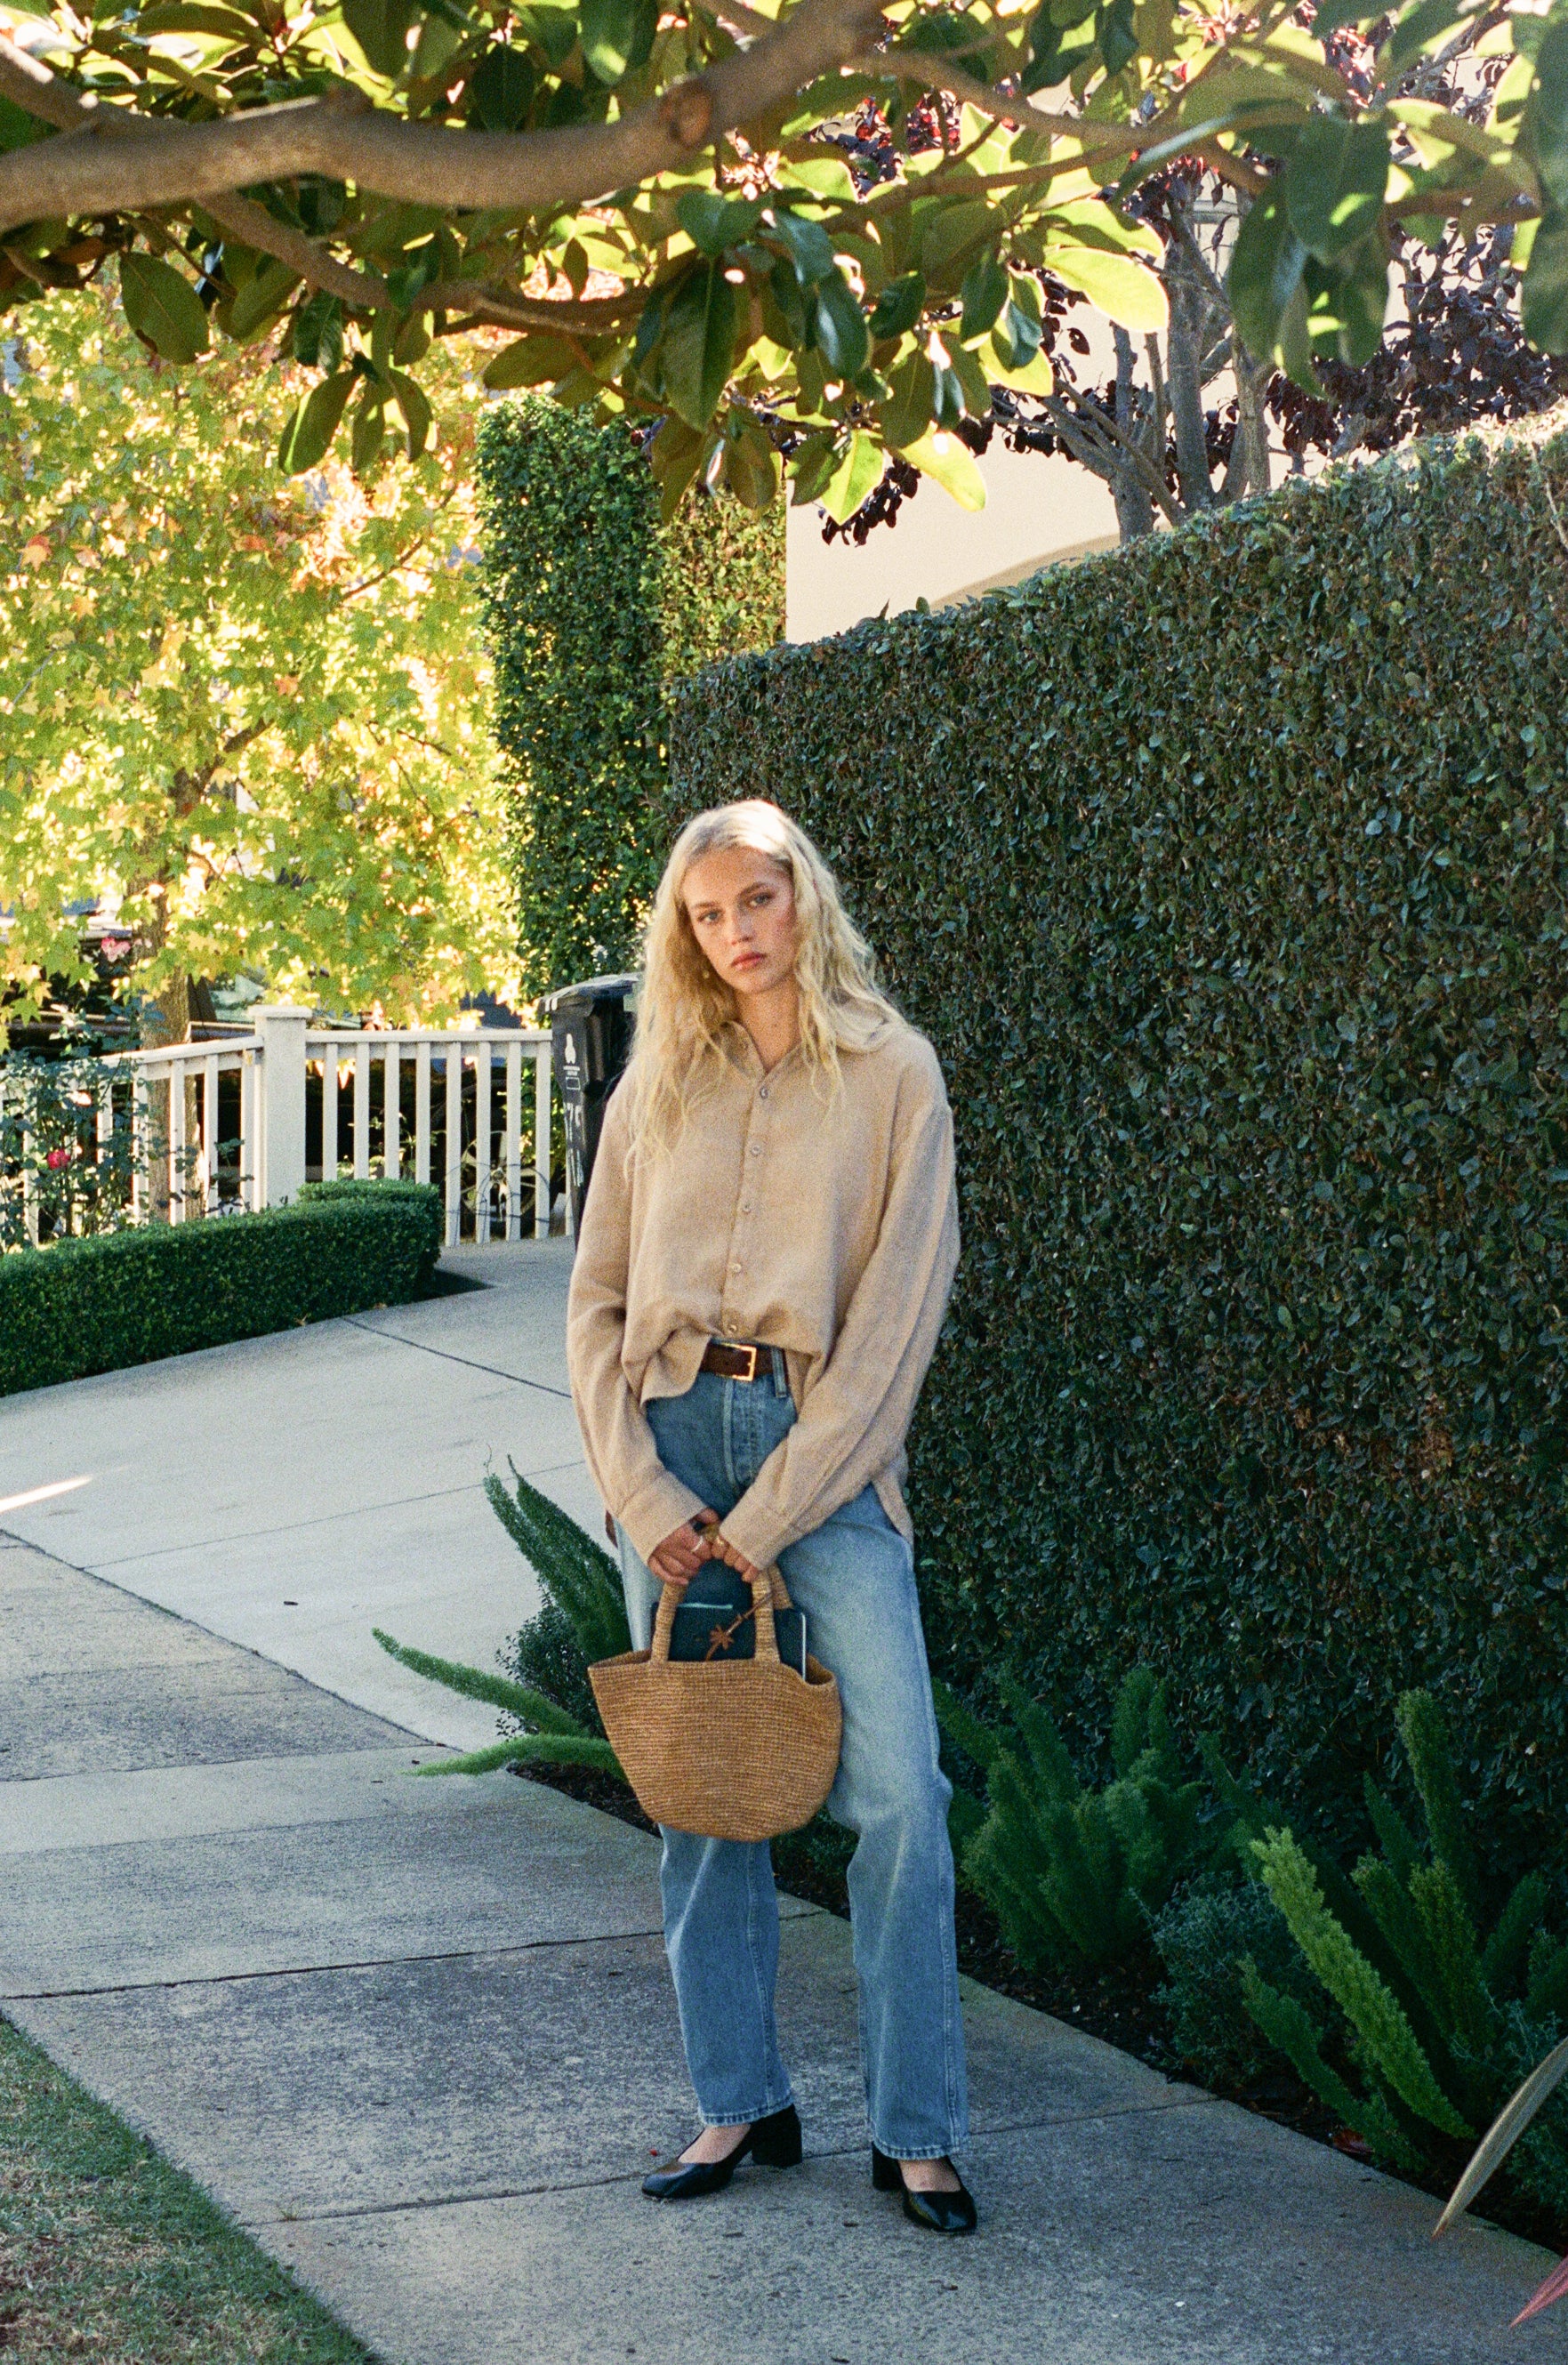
[[591, 1024]]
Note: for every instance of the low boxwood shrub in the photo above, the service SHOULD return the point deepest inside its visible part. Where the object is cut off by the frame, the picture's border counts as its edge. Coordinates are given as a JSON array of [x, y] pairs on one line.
[[1230, 875], [345, 1190], [129, 1297]]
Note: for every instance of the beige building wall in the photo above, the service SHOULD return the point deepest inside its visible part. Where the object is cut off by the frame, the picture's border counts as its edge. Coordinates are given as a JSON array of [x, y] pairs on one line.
[[1036, 510]]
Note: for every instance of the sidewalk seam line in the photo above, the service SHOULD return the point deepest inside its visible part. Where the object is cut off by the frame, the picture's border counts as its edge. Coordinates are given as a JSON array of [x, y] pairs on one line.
[[597, 2184], [562, 1395]]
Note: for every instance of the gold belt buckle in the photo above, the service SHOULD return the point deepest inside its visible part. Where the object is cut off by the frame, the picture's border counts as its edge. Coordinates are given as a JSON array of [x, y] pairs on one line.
[[746, 1347]]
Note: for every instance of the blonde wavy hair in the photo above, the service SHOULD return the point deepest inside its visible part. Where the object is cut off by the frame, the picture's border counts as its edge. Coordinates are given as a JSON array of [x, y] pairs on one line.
[[686, 1011]]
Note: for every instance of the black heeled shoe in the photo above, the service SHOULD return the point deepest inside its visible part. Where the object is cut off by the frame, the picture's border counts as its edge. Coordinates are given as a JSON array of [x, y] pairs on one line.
[[939, 2212], [772, 2141]]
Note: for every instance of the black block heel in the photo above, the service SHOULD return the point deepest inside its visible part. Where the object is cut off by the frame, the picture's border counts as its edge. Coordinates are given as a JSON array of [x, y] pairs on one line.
[[772, 2141], [939, 2212]]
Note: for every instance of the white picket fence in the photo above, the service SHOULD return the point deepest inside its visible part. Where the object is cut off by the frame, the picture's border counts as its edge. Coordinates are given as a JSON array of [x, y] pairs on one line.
[[242, 1122]]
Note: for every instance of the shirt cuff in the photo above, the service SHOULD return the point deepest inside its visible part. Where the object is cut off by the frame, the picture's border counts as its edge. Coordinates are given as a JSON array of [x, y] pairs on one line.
[[656, 1512]]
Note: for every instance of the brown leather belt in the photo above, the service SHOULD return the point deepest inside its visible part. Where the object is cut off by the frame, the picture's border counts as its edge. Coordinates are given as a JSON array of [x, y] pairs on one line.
[[731, 1362]]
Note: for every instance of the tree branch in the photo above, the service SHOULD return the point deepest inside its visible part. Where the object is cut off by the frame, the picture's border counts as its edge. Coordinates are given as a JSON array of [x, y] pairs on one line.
[[32, 88], [173, 163], [505, 309]]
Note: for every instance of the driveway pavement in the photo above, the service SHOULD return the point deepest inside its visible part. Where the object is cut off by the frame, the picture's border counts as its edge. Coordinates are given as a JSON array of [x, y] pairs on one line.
[[417, 2034]]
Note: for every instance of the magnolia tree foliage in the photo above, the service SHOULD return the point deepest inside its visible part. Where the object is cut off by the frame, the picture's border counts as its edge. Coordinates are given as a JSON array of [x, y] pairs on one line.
[[650, 195], [250, 709]]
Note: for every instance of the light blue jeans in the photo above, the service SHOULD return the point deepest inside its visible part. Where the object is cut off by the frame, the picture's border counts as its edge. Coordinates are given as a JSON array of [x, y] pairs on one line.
[[853, 1578]]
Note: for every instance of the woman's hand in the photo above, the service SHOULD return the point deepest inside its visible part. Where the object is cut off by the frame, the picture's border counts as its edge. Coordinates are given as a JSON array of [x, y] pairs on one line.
[[724, 1551], [685, 1548]]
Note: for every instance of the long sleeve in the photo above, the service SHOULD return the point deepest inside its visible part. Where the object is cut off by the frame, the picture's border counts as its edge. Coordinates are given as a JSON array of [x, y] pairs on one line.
[[618, 1444], [853, 1421]]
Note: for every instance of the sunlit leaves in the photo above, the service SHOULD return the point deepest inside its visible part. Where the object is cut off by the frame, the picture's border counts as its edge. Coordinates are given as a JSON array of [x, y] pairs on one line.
[[161, 306], [617, 35], [899, 306], [1334, 183], [189, 601], [382, 28], [1121, 287]]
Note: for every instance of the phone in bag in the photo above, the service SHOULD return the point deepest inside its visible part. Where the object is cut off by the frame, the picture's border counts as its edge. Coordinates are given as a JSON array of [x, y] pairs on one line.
[[714, 1620]]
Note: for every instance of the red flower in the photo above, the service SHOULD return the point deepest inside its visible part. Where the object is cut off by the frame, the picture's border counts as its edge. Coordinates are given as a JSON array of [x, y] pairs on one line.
[[58, 1158]]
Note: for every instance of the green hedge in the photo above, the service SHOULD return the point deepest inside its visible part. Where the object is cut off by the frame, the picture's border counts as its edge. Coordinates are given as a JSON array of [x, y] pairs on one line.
[[592, 608], [371, 1191], [129, 1297], [1230, 875]]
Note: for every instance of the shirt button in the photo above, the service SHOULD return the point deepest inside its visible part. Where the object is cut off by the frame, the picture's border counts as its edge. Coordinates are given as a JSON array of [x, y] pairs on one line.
[[745, 1206], [757, 1149], [735, 1267], [762, 1091]]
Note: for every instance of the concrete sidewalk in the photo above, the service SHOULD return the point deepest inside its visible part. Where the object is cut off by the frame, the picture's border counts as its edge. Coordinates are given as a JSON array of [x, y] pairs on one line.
[[292, 1492], [418, 2035]]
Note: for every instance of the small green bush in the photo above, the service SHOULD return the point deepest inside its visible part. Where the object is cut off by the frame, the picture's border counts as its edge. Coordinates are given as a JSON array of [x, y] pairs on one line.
[[1229, 875], [1072, 1873], [1203, 1939], [1452, 1988], [351, 1191], [103, 1303]]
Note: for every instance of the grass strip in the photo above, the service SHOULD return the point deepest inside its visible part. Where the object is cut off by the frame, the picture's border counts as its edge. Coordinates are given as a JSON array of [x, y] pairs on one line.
[[109, 2253]]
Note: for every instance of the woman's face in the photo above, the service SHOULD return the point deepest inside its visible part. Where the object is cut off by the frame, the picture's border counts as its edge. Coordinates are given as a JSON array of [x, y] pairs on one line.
[[741, 906]]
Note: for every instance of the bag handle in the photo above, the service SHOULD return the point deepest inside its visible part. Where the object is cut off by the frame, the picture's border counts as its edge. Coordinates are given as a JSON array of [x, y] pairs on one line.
[[768, 1592]]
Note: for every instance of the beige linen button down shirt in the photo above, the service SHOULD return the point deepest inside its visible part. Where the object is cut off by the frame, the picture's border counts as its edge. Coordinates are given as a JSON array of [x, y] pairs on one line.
[[824, 1223]]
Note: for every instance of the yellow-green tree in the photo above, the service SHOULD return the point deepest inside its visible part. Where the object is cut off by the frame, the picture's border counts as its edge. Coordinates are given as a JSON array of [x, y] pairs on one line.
[[250, 708]]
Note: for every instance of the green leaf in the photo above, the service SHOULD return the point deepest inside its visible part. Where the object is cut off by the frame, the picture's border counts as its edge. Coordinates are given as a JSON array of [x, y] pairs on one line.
[[1125, 290], [1334, 183], [899, 307], [161, 306], [369, 429], [18, 129], [699, 343], [312, 425], [189, 17], [1544, 295], [842, 336], [808, 246], [951, 465], [438, 43], [751, 467], [715, 223], [858, 472], [500, 91], [382, 28], [414, 404], [617, 35], [1267, 296], [537, 359], [1546, 115], [1116, 36], [811, 469], [1348, 302], [984, 292], [553, 30], [1427, 21], [260, 299], [319, 331], [911, 405]]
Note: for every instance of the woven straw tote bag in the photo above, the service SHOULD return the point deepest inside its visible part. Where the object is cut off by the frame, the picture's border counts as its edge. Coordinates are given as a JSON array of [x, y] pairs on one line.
[[738, 1749]]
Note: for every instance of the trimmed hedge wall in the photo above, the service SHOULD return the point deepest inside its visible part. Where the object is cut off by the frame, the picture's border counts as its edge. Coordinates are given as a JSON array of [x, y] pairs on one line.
[[129, 1297], [1230, 875], [592, 608]]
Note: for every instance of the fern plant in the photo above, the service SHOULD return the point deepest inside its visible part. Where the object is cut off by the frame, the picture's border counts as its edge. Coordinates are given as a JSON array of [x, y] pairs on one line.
[[581, 1619], [1443, 2021], [1073, 1874]]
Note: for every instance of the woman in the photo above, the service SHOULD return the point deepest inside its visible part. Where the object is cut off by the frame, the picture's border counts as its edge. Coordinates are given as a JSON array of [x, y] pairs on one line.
[[764, 1261]]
